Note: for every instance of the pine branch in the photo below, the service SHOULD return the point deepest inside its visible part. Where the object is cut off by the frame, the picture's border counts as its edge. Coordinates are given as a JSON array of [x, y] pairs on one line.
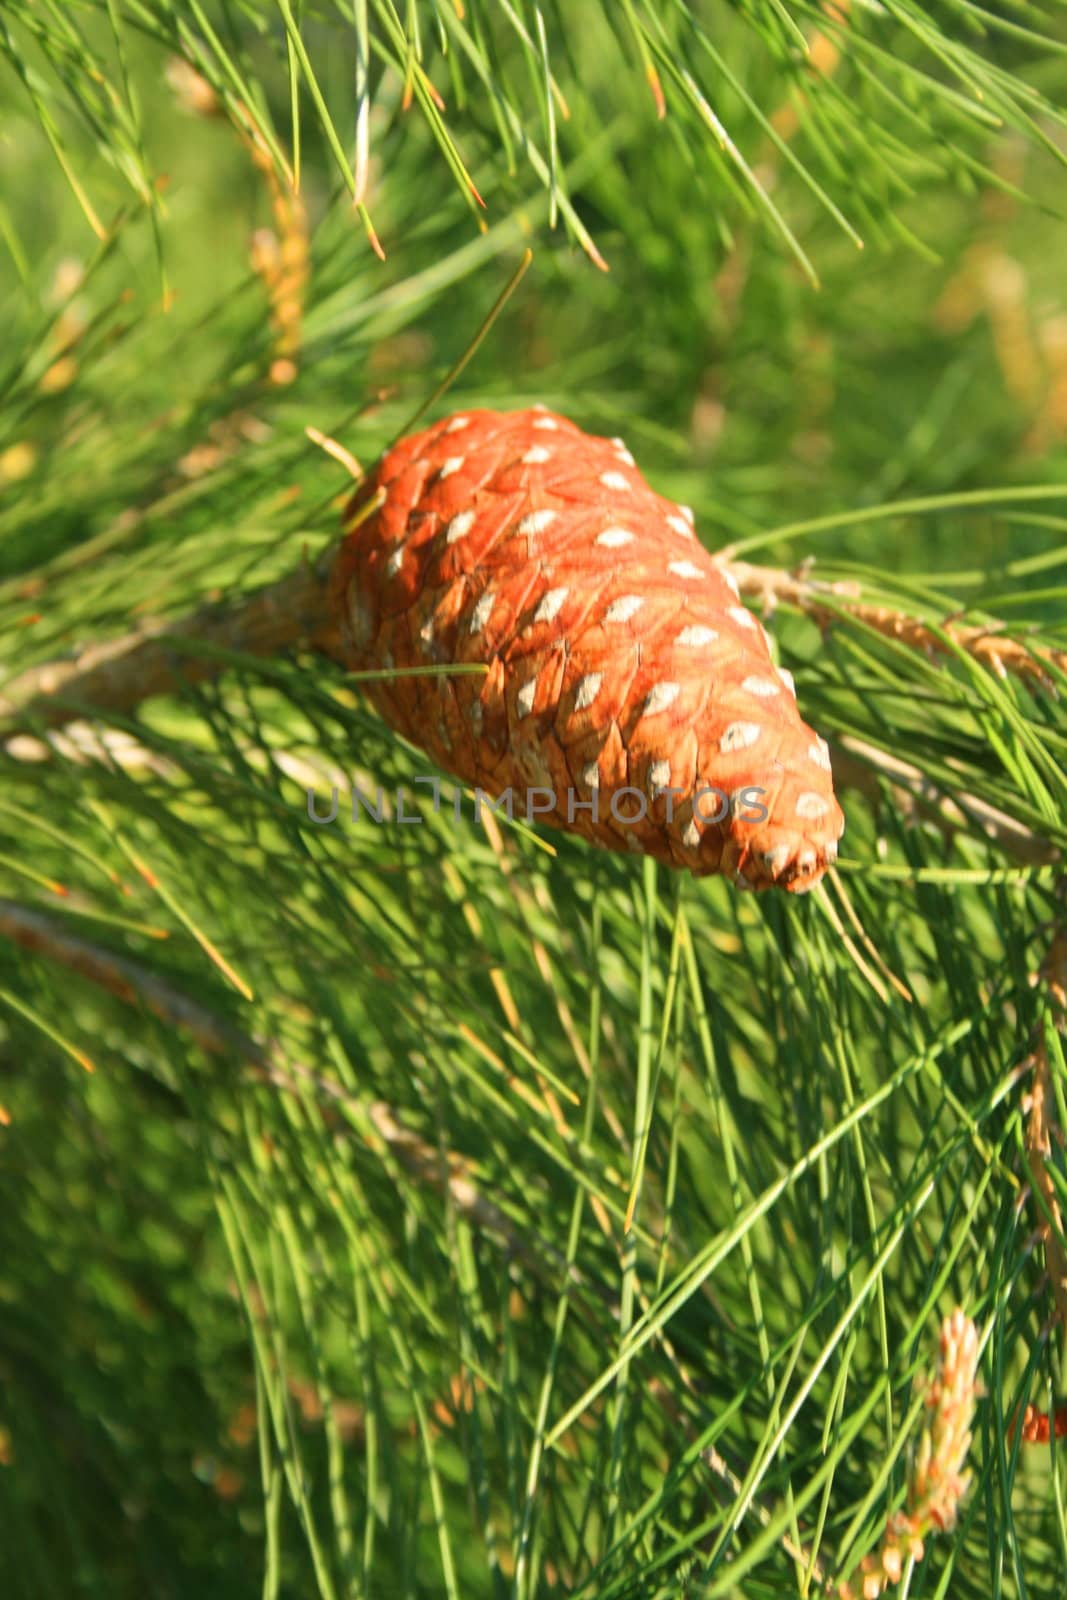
[[136, 985], [860, 765], [396, 1251], [828, 603], [157, 659], [1043, 1132], [294, 612]]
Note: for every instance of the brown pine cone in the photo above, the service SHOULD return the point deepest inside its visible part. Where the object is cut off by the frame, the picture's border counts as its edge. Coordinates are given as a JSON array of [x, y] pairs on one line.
[[629, 697]]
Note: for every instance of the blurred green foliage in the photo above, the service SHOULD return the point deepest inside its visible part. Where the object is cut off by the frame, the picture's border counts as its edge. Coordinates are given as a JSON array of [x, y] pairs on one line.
[[248, 1342]]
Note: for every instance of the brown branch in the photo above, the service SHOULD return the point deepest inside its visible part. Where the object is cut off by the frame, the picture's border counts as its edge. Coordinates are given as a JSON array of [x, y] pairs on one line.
[[127, 980], [824, 602], [159, 658], [1043, 1134], [1043, 1130], [82, 743], [857, 765], [445, 1171], [134, 984], [1041, 1125]]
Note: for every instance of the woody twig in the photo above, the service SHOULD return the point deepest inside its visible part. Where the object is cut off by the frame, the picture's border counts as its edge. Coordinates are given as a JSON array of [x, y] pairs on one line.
[[1043, 1131], [136, 985], [446, 1171], [863, 766], [825, 603], [1044, 1138], [118, 675], [158, 658]]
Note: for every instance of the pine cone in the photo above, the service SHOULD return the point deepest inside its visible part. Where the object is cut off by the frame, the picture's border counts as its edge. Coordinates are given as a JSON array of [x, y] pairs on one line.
[[629, 698]]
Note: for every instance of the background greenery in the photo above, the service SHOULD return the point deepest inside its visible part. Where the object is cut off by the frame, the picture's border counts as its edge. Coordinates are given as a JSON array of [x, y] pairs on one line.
[[320, 1282]]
